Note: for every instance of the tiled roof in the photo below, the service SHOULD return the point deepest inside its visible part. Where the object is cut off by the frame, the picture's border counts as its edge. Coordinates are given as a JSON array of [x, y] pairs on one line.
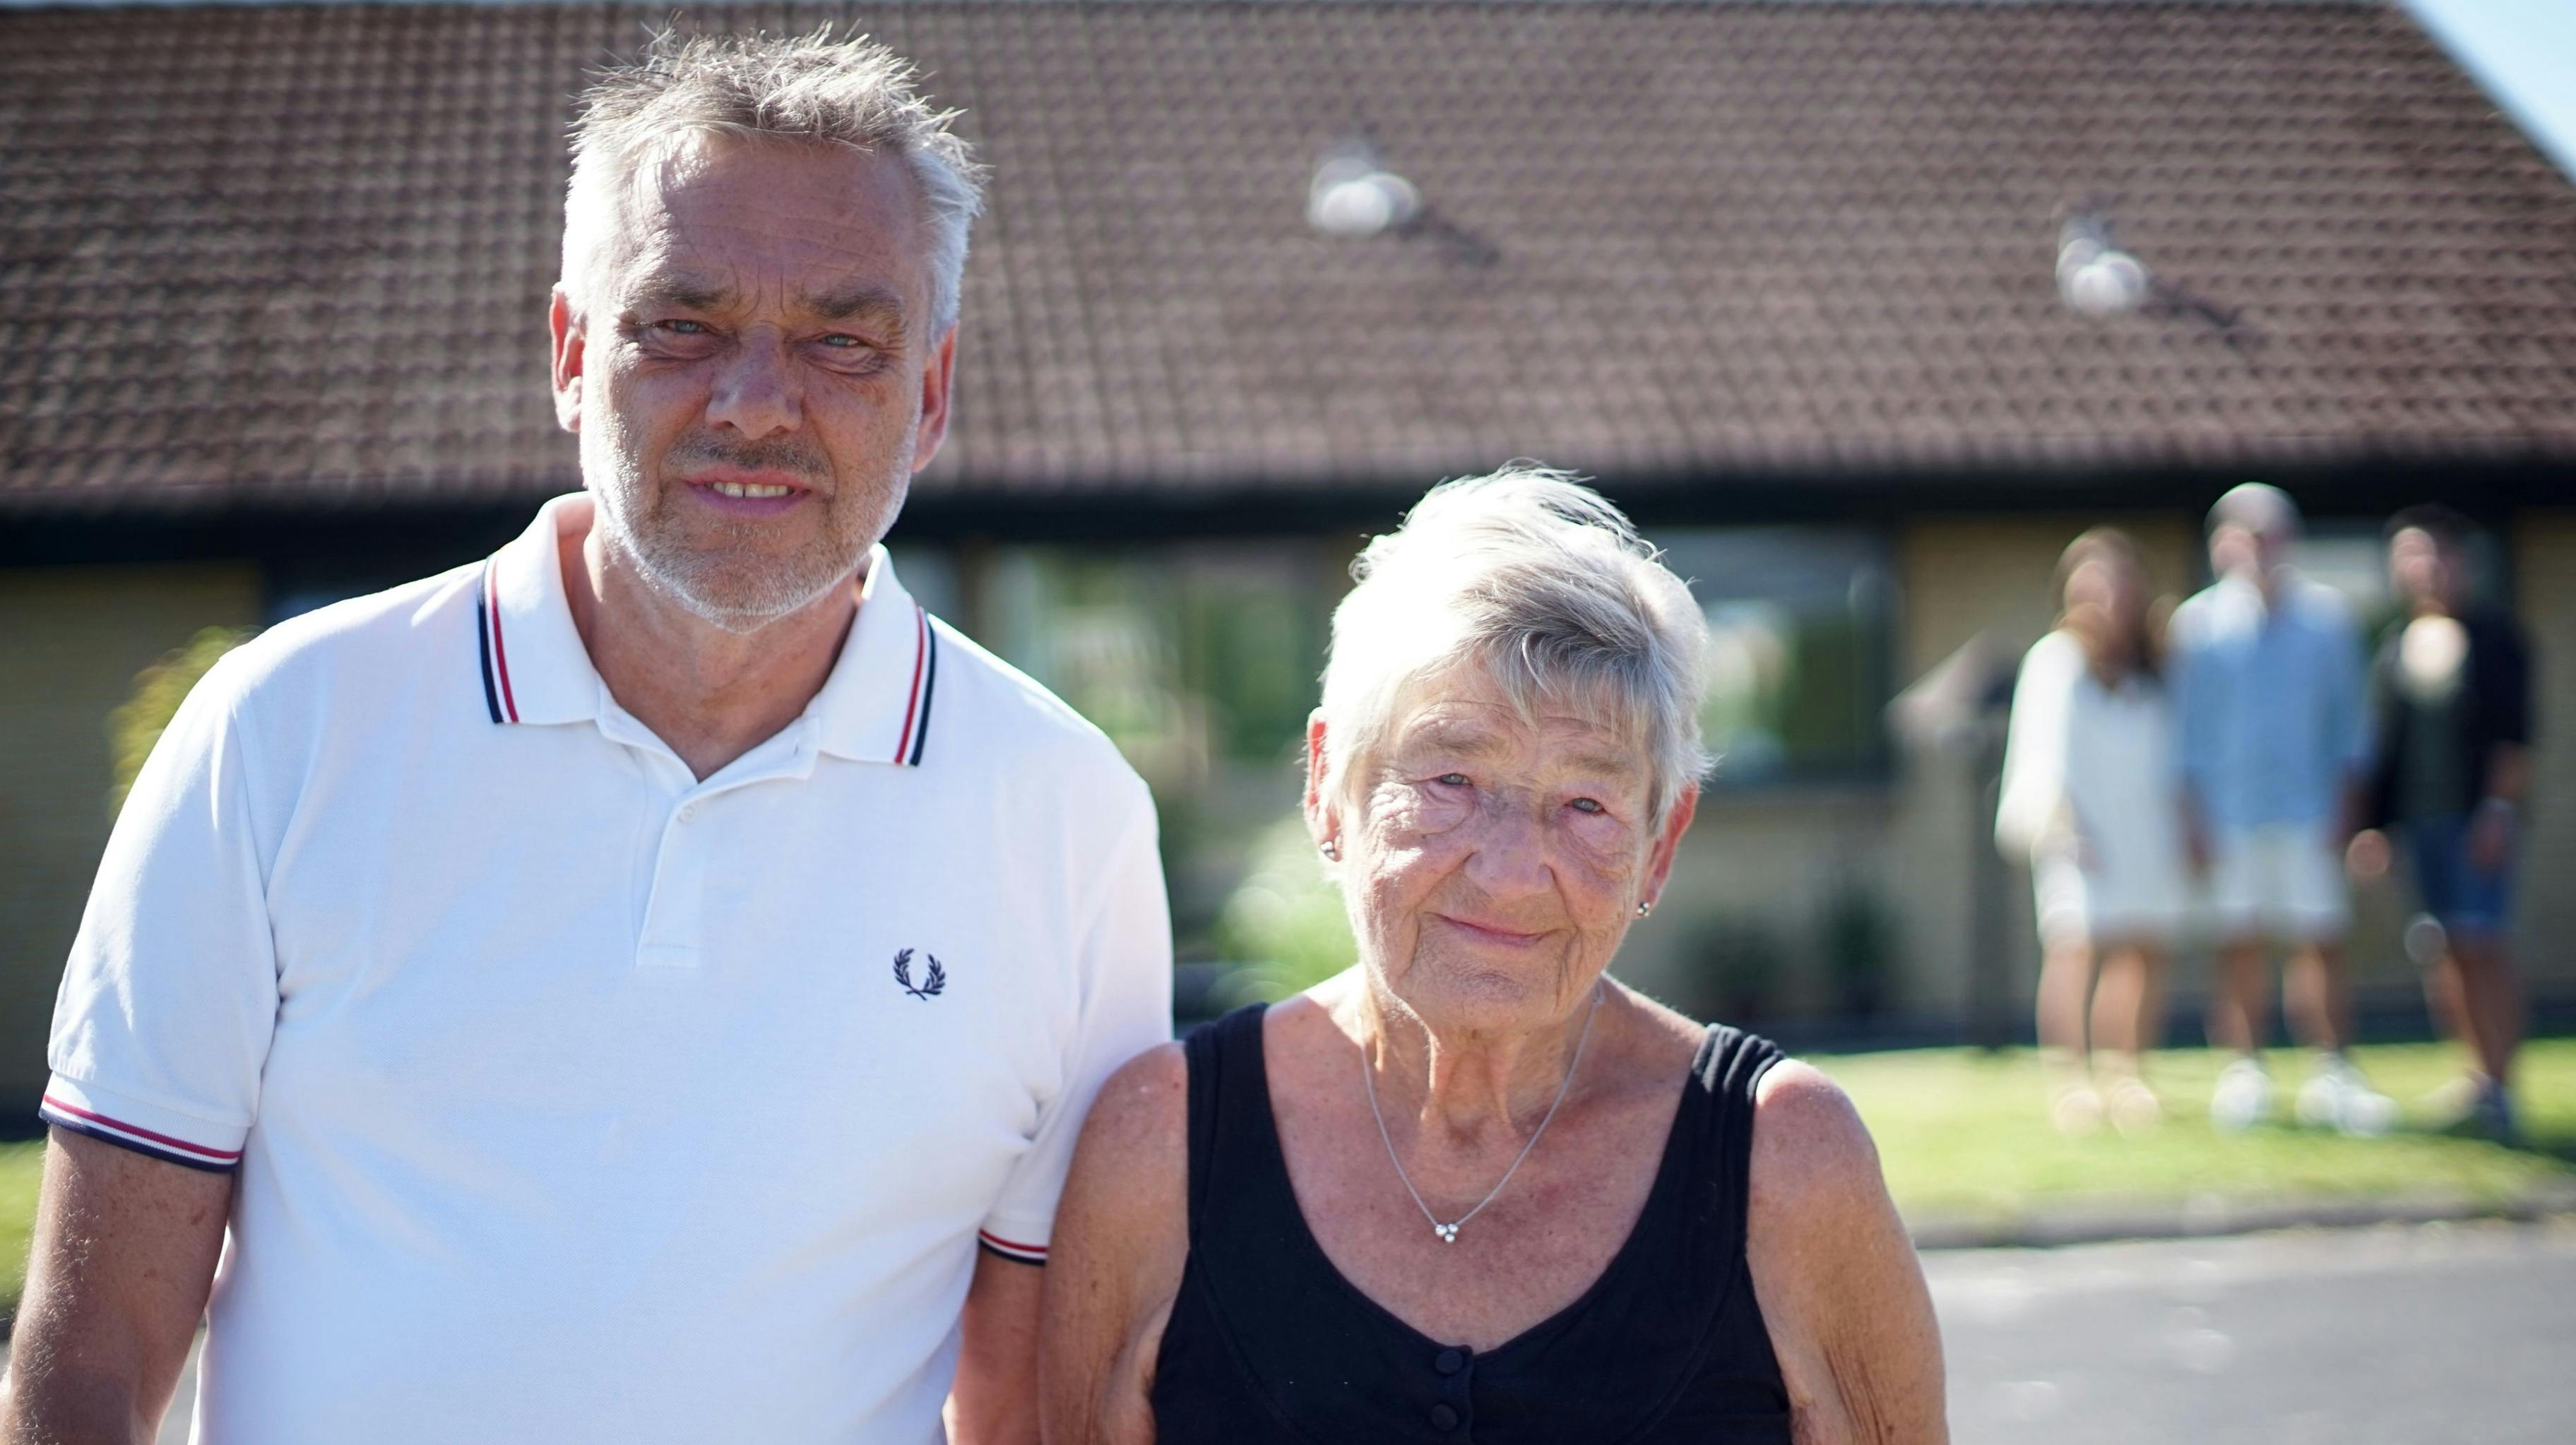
[[290, 252]]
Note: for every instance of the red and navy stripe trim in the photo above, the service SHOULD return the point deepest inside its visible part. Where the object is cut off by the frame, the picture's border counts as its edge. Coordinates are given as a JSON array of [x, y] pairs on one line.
[[496, 657], [141, 1140], [1017, 1253], [925, 681]]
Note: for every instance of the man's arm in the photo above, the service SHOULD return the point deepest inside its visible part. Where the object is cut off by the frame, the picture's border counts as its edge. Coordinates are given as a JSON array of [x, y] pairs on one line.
[[124, 1255], [1839, 1286], [995, 1399]]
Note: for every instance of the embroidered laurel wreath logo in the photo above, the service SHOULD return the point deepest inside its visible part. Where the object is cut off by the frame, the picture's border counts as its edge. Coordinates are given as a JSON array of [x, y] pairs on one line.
[[931, 982]]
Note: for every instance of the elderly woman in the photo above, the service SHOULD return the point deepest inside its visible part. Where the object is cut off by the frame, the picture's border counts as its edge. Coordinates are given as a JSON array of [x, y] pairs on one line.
[[1472, 1188]]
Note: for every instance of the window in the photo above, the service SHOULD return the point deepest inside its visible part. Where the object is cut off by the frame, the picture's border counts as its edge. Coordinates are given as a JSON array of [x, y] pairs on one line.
[[1799, 623]]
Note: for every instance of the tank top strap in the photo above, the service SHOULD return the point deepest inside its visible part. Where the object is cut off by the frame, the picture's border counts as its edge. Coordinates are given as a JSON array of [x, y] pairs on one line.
[[1725, 1074], [1229, 1104]]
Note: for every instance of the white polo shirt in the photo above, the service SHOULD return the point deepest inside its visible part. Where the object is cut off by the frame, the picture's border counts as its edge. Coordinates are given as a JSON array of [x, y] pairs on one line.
[[575, 1099]]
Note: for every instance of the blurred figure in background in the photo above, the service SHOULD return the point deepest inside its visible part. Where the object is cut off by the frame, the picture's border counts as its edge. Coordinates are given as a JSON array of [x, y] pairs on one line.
[[2453, 685], [2088, 799], [2267, 677]]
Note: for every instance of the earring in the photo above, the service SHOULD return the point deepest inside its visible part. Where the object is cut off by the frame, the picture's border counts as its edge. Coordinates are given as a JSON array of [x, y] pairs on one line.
[[1645, 906], [1332, 849]]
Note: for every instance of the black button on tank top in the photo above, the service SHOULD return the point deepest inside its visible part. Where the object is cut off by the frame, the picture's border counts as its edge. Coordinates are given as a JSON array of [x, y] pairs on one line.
[[1268, 1342]]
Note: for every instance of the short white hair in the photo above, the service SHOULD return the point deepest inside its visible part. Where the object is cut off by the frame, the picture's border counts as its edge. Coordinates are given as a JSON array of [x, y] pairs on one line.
[[852, 92], [1539, 580]]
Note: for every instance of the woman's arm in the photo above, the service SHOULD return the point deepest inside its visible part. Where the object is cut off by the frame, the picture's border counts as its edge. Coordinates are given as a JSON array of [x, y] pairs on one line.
[[1121, 1238], [1837, 1279], [2033, 797]]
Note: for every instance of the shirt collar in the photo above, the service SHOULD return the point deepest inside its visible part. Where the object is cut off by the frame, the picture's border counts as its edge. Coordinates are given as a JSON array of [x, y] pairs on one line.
[[874, 707], [535, 669]]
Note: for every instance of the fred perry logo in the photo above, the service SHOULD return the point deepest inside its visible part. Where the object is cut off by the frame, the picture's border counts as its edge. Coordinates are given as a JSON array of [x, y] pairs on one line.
[[931, 982]]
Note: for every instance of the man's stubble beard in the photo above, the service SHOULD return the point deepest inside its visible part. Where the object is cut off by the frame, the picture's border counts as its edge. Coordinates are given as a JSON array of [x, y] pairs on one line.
[[718, 584]]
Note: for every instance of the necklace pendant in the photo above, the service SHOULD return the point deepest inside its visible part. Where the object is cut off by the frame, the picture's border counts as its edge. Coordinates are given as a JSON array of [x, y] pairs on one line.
[[1448, 1233]]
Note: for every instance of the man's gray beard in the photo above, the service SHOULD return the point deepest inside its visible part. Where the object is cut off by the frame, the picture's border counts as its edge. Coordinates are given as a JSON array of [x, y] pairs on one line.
[[676, 574], [711, 587]]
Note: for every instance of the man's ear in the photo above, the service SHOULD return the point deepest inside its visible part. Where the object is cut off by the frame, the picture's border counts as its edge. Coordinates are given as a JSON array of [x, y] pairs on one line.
[[936, 389], [563, 327]]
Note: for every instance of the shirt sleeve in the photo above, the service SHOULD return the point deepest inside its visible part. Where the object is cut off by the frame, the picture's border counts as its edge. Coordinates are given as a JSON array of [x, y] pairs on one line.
[[162, 1025], [2512, 672], [2195, 719], [1125, 1008], [2034, 783]]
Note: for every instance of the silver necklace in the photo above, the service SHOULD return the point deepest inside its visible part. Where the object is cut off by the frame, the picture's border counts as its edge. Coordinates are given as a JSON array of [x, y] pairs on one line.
[[1449, 1232]]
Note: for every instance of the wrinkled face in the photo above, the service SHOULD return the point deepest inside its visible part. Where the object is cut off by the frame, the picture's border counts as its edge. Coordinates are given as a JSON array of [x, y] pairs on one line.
[[1493, 864], [2420, 567], [751, 370]]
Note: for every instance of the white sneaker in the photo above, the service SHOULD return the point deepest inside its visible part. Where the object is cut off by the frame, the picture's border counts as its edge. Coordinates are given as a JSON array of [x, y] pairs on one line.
[[2243, 1097], [2336, 1097]]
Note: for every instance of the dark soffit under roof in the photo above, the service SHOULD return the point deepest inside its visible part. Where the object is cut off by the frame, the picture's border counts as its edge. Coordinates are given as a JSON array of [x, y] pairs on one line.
[[298, 255]]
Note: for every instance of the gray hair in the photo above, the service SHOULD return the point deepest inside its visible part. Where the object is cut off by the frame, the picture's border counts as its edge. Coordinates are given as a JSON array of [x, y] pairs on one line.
[[853, 92], [2258, 507], [1537, 578]]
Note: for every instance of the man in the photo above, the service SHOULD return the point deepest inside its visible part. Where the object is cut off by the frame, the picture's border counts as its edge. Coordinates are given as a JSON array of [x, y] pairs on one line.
[[610, 991], [2453, 683], [2267, 680]]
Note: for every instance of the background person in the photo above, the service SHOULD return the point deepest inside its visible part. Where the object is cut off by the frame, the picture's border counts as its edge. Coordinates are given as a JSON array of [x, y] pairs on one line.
[[2267, 679], [1473, 1184], [2088, 799], [610, 992], [2453, 764]]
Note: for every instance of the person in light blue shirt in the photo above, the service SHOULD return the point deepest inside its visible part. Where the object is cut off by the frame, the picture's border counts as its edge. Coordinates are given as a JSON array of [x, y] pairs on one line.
[[2274, 733]]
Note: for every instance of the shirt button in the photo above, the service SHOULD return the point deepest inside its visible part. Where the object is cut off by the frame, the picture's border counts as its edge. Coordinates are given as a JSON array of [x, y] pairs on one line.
[[689, 814], [1443, 1418], [1448, 1362]]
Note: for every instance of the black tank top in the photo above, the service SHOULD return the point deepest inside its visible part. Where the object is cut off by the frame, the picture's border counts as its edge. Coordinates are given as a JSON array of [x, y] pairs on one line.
[[1268, 1342]]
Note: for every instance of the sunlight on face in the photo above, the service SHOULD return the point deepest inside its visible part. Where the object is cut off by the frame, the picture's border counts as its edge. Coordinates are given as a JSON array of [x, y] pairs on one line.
[[1495, 861]]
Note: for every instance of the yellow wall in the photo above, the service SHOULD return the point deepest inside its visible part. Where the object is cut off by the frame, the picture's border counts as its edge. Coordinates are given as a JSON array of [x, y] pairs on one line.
[[71, 640], [2544, 564]]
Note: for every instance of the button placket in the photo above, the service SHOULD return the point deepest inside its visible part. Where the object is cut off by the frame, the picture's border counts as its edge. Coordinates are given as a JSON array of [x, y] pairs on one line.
[[674, 911], [1453, 1409]]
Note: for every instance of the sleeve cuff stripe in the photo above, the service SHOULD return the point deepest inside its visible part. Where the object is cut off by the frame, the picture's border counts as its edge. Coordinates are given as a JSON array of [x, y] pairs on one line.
[[149, 1151], [72, 1116], [1008, 1249]]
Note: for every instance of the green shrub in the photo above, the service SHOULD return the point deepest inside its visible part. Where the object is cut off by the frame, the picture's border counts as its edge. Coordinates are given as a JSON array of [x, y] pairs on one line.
[[1284, 922], [158, 690]]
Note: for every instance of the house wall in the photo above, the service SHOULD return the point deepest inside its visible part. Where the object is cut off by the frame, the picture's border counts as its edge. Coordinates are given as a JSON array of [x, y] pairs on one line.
[[71, 641], [2544, 565]]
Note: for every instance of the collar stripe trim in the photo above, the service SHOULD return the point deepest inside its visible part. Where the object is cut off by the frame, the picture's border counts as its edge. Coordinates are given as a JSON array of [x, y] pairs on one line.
[[929, 689], [116, 1131], [497, 663], [1011, 1249], [907, 747], [483, 645]]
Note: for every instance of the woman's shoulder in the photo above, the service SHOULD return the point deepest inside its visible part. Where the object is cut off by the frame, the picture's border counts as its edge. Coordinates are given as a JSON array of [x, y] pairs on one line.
[[2057, 655], [1141, 1113]]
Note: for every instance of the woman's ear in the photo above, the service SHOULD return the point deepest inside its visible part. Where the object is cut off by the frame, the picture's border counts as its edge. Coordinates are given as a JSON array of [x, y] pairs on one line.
[[1323, 817], [1668, 842]]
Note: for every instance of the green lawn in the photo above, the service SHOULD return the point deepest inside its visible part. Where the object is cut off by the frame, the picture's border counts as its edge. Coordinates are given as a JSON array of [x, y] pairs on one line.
[[1963, 1135], [20, 1167]]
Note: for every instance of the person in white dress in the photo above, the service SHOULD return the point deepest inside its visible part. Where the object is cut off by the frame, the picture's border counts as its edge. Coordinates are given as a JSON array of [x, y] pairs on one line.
[[2088, 801]]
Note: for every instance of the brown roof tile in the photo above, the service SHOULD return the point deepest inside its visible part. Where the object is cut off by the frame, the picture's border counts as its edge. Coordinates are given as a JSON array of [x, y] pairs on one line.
[[299, 252]]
